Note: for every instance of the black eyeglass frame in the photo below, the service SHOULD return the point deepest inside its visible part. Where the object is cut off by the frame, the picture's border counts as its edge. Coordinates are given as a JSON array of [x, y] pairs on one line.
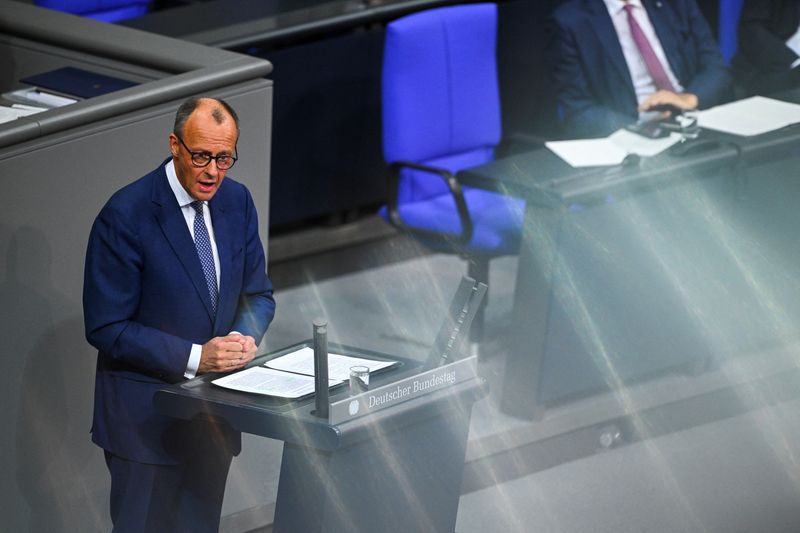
[[206, 155]]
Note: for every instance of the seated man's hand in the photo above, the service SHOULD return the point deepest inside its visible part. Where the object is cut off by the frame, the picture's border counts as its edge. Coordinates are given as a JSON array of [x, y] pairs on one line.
[[663, 100], [224, 354]]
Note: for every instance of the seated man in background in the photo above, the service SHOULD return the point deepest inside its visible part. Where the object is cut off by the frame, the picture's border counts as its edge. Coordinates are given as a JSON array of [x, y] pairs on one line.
[[616, 62], [768, 54]]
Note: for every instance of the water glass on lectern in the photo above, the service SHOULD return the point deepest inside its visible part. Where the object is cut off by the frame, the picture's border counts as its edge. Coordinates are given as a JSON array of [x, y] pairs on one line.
[[359, 379]]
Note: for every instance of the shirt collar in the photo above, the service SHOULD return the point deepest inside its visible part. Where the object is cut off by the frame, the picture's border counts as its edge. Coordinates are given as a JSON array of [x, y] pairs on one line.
[[615, 6], [180, 193]]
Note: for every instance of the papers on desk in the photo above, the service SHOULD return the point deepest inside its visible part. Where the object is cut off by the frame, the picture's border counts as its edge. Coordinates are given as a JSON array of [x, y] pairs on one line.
[[611, 150], [751, 116], [588, 152], [7, 114], [39, 98], [302, 362], [261, 380], [292, 375]]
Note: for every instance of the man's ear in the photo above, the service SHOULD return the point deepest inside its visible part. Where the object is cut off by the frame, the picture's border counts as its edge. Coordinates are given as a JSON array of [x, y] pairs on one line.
[[173, 145]]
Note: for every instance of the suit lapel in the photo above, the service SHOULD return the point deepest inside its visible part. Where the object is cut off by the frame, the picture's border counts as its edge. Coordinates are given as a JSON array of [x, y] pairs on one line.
[[173, 225], [600, 22]]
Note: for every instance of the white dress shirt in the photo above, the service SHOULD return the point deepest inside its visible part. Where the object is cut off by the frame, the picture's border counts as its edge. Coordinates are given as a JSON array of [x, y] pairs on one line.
[[185, 201], [642, 81]]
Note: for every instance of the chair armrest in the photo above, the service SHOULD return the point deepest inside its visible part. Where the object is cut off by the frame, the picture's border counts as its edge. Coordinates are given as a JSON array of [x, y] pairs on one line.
[[517, 142], [454, 188]]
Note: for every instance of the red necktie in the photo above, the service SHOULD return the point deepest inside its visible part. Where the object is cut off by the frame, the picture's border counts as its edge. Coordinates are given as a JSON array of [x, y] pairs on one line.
[[651, 61]]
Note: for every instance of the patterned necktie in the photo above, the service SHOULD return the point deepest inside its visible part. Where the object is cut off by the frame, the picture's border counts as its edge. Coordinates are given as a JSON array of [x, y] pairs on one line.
[[651, 61], [203, 244]]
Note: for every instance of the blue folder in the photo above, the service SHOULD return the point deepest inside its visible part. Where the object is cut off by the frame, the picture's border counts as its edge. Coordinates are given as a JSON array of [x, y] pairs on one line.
[[77, 82]]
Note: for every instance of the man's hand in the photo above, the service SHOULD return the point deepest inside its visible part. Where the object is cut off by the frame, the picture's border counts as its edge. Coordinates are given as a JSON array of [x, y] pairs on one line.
[[665, 99], [248, 346], [224, 354]]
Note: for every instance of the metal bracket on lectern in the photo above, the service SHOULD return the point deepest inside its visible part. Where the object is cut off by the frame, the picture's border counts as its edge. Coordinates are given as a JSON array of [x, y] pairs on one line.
[[455, 328]]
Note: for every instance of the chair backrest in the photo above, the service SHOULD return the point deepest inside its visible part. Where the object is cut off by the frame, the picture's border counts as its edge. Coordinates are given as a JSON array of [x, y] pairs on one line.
[[440, 97], [103, 10], [729, 12]]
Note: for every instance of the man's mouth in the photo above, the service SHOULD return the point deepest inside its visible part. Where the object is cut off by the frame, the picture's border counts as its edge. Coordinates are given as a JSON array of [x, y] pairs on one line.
[[206, 186]]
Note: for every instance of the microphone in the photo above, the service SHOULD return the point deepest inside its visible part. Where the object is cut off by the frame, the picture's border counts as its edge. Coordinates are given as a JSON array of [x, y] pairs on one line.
[[321, 368]]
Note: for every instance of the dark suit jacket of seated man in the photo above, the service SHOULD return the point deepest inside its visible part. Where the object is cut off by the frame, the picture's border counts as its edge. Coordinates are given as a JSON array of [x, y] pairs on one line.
[[148, 309], [596, 95], [764, 64]]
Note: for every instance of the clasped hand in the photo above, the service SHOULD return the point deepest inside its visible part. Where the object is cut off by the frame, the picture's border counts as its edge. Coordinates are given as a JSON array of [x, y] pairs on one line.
[[224, 354]]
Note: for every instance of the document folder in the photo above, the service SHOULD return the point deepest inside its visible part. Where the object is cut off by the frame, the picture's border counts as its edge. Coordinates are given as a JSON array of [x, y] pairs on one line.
[[77, 82]]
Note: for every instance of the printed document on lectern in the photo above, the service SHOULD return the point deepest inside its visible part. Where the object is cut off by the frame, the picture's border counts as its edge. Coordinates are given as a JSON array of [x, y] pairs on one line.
[[292, 375], [302, 362], [261, 380]]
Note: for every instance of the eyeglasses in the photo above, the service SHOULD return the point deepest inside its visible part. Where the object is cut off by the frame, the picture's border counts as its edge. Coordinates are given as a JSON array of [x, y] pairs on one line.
[[202, 159]]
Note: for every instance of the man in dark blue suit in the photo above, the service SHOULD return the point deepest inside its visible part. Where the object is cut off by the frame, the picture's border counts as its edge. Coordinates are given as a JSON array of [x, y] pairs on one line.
[[602, 81], [175, 285]]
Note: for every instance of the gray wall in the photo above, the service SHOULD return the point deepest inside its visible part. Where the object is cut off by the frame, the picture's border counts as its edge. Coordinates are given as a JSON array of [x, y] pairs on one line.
[[54, 181]]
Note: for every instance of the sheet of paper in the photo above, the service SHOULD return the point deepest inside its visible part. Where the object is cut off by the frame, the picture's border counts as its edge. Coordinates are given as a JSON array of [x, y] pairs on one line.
[[750, 116], [38, 98], [260, 380], [302, 362], [8, 114], [610, 150], [31, 108], [588, 152], [633, 143]]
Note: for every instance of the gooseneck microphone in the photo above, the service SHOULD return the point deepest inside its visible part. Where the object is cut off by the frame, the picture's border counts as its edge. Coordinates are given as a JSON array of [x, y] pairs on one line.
[[321, 368]]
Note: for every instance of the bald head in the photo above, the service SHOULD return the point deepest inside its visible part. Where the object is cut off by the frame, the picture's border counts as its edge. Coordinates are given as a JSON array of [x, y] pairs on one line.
[[219, 110]]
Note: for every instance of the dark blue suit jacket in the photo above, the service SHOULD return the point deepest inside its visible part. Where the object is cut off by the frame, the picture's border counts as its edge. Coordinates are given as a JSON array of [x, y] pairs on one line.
[[145, 302], [763, 61], [595, 90]]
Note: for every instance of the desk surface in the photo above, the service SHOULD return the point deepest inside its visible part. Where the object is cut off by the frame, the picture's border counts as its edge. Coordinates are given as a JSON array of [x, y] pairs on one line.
[[544, 179], [35, 40], [240, 23]]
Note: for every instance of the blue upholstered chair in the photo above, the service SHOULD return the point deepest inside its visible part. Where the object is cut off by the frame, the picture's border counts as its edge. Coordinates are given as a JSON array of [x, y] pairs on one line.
[[104, 10], [441, 114], [729, 12]]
